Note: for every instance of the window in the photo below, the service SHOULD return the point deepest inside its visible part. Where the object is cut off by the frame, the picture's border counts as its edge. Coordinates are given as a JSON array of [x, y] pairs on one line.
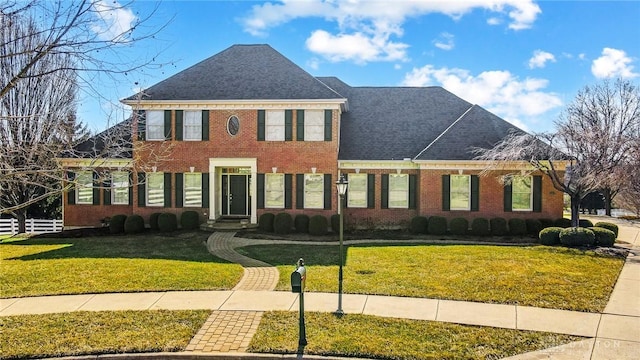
[[274, 190], [399, 191], [155, 125], [460, 195], [233, 125], [192, 125], [357, 191], [155, 189], [314, 191], [521, 194], [84, 187], [274, 125], [314, 125], [193, 190], [120, 188]]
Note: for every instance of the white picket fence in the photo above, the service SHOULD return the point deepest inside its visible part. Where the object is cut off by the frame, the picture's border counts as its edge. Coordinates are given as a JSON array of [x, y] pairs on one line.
[[34, 226]]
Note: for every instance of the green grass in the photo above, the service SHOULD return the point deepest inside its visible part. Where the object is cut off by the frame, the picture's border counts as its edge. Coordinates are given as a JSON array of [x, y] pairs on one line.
[[539, 276], [384, 338], [147, 262], [84, 333]]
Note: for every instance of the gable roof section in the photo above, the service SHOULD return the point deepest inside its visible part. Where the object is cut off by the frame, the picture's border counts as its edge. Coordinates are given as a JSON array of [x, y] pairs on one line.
[[241, 72]]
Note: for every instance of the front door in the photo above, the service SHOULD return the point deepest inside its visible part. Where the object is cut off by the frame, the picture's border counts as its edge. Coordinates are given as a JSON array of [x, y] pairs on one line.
[[235, 201]]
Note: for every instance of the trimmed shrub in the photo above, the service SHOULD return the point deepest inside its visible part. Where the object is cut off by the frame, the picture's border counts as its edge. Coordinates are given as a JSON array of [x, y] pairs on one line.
[[134, 224], [167, 222], [517, 227], [608, 226], [563, 223], [437, 225], [550, 236], [585, 223], [577, 236], [498, 226], [301, 223], [318, 225], [282, 223], [459, 226], [604, 237], [480, 227], [265, 222], [546, 223], [190, 220], [116, 225], [153, 221], [419, 225], [533, 226], [335, 223]]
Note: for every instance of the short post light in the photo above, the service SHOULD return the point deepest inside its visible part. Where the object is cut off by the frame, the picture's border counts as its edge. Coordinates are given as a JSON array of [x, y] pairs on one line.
[[341, 186]]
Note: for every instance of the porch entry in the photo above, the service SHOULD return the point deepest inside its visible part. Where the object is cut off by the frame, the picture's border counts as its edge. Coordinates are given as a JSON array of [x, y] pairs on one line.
[[236, 194]]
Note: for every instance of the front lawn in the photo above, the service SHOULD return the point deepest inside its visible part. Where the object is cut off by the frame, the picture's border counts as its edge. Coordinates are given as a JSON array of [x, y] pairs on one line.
[[549, 277], [355, 335], [147, 262]]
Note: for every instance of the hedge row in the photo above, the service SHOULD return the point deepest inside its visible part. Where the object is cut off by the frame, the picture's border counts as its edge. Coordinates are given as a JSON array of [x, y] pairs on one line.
[[164, 222], [284, 223], [437, 225]]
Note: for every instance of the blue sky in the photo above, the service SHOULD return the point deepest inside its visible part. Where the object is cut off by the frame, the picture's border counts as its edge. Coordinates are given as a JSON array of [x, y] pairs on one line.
[[524, 60]]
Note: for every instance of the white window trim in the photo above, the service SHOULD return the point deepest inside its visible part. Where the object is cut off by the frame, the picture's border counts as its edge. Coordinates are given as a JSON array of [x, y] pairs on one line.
[[82, 186], [114, 187], [365, 190], [404, 206], [192, 115], [184, 190], [154, 114], [530, 195], [266, 191], [161, 204], [321, 205]]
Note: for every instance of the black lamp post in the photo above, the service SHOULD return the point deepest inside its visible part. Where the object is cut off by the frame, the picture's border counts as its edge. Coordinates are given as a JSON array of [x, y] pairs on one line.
[[341, 185]]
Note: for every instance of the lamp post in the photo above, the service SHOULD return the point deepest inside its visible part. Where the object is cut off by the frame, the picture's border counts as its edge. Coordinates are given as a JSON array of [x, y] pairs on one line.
[[341, 185]]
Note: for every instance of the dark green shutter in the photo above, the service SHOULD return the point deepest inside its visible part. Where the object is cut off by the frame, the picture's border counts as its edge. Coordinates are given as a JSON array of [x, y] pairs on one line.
[[205, 125], [446, 193], [288, 125], [537, 193], [142, 190], [327, 191], [179, 124], [261, 125], [287, 190], [371, 191], [205, 190], [167, 124], [384, 194], [106, 193], [475, 193], [96, 189], [300, 125], [299, 191], [71, 194], [179, 190], [167, 189], [130, 189], [142, 124], [413, 191], [507, 197], [260, 190], [328, 117]]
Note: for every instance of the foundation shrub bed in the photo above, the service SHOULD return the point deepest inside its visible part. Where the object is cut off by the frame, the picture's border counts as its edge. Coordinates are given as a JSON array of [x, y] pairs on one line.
[[301, 223], [498, 226], [480, 227], [577, 236], [265, 222], [167, 222], [189, 220], [116, 225], [282, 223], [533, 226], [585, 223], [546, 223], [437, 225], [153, 221], [550, 236], [318, 225], [517, 227], [134, 224], [335, 223], [608, 226], [562, 222], [459, 226], [418, 225], [603, 237]]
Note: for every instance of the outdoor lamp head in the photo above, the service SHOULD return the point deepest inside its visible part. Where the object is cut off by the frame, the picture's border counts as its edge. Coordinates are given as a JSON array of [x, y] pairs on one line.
[[342, 185]]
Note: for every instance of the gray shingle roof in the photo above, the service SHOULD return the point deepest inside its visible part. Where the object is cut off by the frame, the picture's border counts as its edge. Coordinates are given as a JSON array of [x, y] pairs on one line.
[[241, 72]]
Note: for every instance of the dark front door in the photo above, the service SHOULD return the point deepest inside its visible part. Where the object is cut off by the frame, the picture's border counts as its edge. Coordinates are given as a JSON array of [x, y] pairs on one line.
[[234, 197]]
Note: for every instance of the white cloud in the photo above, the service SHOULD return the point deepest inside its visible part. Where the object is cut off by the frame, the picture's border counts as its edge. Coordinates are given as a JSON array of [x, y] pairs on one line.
[[376, 22], [613, 63], [114, 21], [540, 58], [444, 41], [517, 101]]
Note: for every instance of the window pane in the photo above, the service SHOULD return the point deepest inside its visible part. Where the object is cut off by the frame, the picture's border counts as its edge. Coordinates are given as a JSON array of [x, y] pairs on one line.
[[398, 190], [192, 124], [274, 190], [274, 125], [314, 125], [314, 191], [357, 191], [120, 188], [192, 190], [155, 125], [521, 193], [155, 189], [84, 187], [460, 192]]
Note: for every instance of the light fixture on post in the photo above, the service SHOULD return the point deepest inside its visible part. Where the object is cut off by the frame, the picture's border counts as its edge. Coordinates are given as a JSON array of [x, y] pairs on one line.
[[341, 186]]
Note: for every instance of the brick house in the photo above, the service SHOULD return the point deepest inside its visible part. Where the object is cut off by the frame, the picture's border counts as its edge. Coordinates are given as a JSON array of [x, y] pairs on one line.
[[248, 132]]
